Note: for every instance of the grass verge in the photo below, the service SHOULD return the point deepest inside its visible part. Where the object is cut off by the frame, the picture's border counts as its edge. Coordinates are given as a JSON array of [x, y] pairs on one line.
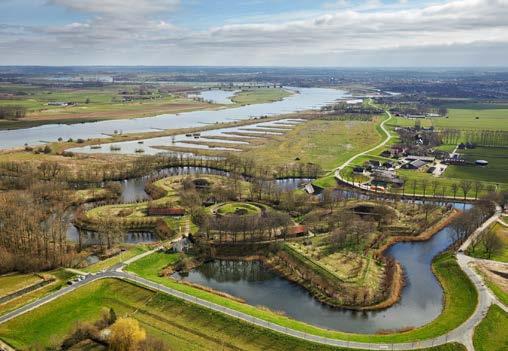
[[491, 334], [183, 326], [460, 302]]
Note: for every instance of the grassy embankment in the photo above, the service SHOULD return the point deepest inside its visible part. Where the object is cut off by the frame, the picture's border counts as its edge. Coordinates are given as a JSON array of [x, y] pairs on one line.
[[10, 283], [460, 302], [491, 334], [110, 262], [181, 325], [14, 281], [235, 207]]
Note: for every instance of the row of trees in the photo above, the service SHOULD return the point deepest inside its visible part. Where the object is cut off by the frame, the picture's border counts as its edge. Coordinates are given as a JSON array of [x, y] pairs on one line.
[[477, 136], [12, 112], [233, 228]]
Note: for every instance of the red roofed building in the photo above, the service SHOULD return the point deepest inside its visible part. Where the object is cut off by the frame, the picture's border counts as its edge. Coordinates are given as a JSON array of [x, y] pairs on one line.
[[297, 230]]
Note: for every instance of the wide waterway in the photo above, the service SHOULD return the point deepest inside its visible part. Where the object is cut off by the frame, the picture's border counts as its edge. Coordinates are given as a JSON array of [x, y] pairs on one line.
[[420, 303], [306, 98]]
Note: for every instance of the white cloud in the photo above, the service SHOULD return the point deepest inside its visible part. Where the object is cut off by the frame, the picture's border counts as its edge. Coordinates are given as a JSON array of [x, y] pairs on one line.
[[118, 7], [347, 32]]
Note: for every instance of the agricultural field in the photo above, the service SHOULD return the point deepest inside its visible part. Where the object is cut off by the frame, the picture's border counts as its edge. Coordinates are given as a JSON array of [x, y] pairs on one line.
[[491, 334], [326, 143], [466, 118], [463, 117], [495, 172]]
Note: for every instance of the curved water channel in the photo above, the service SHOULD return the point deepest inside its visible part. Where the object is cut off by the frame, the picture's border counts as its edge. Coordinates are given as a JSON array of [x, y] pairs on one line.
[[304, 99], [421, 299], [133, 190], [420, 303]]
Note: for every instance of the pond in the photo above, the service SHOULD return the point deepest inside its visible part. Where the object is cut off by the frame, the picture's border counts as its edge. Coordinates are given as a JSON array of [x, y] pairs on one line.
[[420, 303], [306, 98]]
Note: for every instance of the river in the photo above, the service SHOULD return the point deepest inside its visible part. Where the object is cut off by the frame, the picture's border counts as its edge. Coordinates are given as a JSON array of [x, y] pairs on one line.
[[306, 98]]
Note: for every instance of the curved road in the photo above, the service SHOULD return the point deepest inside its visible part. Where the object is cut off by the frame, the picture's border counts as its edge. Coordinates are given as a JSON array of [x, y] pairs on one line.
[[462, 334], [383, 143]]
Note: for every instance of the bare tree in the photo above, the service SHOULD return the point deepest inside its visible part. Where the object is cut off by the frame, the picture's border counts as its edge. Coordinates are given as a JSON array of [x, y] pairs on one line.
[[478, 187], [465, 186], [491, 242]]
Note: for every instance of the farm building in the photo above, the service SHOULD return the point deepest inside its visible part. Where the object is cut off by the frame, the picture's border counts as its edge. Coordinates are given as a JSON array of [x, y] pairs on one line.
[[416, 164]]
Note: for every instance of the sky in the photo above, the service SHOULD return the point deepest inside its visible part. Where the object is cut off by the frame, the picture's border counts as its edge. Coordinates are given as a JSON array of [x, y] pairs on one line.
[[336, 33]]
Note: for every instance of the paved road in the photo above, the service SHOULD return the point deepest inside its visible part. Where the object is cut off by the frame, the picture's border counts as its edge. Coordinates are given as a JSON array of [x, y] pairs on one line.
[[462, 334], [383, 143]]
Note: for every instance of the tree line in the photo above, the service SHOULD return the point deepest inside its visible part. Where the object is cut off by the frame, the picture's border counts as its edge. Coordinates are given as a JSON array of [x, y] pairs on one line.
[[479, 137], [12, 112]]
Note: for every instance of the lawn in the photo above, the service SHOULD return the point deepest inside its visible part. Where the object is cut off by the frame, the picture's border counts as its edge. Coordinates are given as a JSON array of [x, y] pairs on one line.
[[460, 302], [326, 143], [261, 95], [181, 325], [492, 333]]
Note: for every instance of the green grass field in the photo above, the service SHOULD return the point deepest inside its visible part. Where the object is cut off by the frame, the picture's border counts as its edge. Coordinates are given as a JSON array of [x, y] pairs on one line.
[[261, 95], [495, 172], [465, 118], [460, 301], [492, 333], [181, 325], [327, 143]]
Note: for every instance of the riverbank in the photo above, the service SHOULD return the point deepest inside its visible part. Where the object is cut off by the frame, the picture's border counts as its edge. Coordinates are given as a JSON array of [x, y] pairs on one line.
[[423, 236]]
